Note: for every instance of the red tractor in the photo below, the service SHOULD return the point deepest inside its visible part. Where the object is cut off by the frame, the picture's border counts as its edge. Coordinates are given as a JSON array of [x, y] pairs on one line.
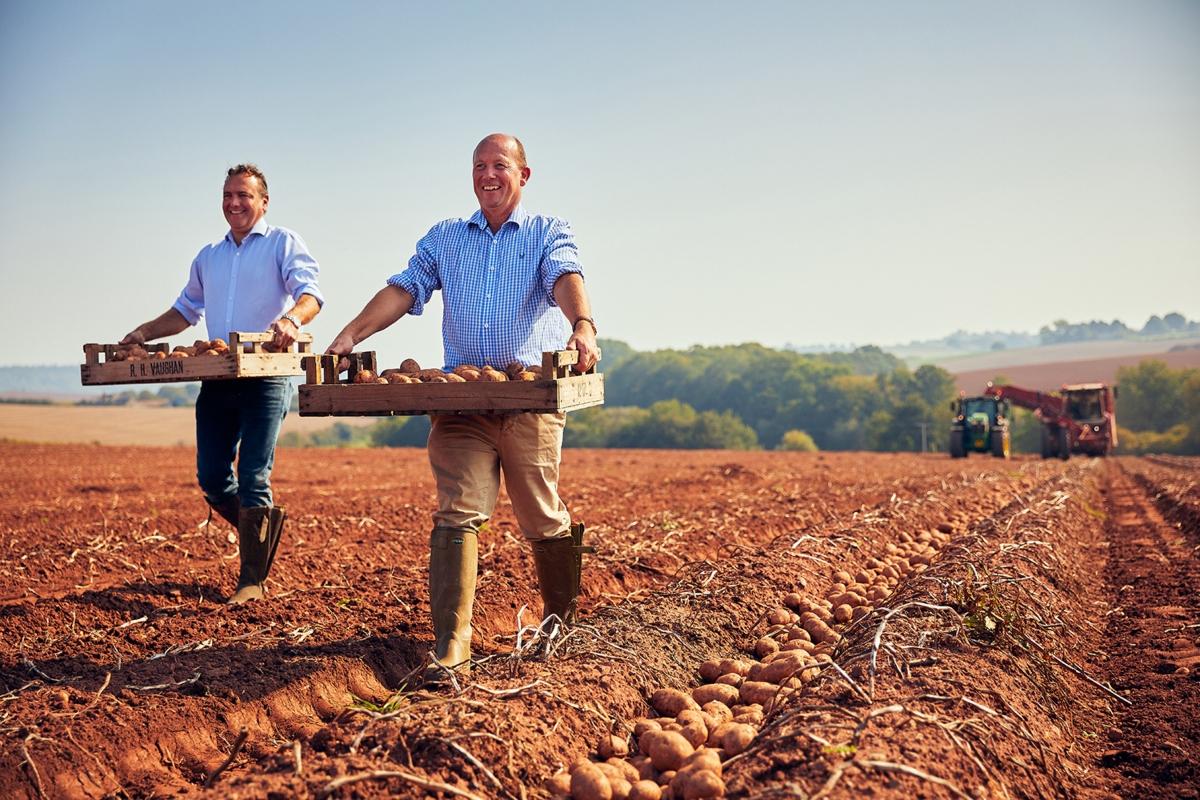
[[1078, 419]]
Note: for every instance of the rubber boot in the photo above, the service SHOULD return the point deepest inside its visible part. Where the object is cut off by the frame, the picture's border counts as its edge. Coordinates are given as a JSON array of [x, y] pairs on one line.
[[559, 564], [254, 545], [453, 568], [229, 508], [274, 534]]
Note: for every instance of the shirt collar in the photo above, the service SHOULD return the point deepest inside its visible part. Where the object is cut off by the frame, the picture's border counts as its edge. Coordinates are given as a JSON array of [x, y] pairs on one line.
[[517, 217], [260, 228]]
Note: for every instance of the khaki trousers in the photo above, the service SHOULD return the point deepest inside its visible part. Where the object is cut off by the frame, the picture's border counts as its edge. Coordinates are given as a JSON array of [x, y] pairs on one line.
[[467, 454]]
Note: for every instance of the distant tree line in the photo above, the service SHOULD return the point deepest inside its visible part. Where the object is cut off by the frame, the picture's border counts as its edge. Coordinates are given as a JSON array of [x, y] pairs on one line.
[[1158, 410], [1061, 331], [172, 394]]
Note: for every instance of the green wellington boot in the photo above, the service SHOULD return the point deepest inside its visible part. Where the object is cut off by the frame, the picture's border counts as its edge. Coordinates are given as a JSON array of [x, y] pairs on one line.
[[453, 568], [254, 545], [228, 509], [559, 564]]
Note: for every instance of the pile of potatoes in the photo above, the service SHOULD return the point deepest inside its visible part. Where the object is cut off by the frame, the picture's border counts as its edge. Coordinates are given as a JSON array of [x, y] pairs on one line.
[[410, 372], [679, 754], [201, 347]]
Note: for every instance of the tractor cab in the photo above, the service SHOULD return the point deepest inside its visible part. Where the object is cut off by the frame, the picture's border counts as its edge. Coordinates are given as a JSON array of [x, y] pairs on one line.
[[980, 425], [1084, 403]]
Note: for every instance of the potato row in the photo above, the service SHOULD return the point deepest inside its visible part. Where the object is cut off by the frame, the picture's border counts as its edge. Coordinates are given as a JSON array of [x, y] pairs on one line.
[[678, 755], [410, 371], [201, 347]]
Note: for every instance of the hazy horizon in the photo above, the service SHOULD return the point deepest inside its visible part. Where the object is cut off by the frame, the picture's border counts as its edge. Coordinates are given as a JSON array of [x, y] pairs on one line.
[[786, 173]]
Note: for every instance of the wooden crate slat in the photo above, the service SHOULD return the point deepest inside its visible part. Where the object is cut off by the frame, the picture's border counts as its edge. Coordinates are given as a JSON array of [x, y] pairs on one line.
[[232, 365], [481, 397]]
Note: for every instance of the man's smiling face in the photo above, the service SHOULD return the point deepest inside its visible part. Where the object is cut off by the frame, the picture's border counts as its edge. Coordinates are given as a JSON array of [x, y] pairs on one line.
[[499, 174]]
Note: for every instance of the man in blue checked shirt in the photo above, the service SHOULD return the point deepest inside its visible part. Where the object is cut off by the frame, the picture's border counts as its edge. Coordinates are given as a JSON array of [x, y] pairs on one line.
[[258, 277], [512, 288]]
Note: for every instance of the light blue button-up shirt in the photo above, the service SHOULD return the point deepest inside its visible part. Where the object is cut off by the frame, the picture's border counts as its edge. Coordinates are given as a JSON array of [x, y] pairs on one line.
[[497, 288], [247, 288]]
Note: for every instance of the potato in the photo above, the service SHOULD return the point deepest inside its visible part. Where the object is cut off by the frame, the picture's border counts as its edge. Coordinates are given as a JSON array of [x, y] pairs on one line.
[[514, 369], [717, 711], [612, 746], [759, 692], [701, 785], [779, 616], [647, 740], [470, 375], [696, 733], [645, 768], [737, 738], [740, 666], [589, 783], [609, 771], [843, 613], [641, 725], [364, 376], [645, 790], [398, 377], [452, 378], [621, 788], [690, 715], [765, 646], [784, 668], [527, 375], [669, 702], [213, 352], [628, 771], [704, 758], [559, 784], [492, 375], [753, 718], [436, 379], [719, 692], [665, 778], [410, 365], [668, 750], [710, 670]]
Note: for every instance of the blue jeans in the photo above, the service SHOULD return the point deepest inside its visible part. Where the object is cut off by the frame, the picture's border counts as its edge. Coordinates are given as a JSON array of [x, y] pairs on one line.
[[245, 411]]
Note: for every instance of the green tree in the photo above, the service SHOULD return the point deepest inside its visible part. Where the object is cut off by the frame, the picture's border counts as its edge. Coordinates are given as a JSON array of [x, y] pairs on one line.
[[797, 441]]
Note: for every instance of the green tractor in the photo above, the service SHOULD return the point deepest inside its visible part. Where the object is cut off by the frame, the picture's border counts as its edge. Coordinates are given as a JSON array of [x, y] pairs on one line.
[[980, 426]]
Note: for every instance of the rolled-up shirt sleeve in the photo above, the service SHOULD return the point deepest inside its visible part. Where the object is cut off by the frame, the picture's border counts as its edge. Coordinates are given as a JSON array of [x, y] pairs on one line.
[[421, 278], [299, 269], [190, 302], [559, 257]]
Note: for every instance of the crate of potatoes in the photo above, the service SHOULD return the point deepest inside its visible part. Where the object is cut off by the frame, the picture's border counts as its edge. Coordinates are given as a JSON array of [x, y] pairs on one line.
[[246, 355], [408, 389]]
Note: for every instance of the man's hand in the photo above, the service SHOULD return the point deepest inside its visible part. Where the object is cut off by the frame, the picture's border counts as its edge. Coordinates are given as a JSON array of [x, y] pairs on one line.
[[135, 336], [343, 345], [584, 340], [285, 334]]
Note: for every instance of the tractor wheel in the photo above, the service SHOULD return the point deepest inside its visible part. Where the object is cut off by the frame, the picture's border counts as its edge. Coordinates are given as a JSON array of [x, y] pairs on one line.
[[1001, 443], [1063, 439], [956, 444]]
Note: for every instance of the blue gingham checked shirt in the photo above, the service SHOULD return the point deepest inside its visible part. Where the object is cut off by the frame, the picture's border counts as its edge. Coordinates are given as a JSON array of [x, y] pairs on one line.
[[497, 289], [247, 288]]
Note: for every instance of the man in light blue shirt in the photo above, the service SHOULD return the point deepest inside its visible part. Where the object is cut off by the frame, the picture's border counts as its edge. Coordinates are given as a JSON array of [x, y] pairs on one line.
[[257, 277], [512, 288]]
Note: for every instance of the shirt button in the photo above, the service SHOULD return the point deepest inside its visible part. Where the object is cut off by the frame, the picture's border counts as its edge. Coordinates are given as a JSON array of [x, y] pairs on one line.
[[485, 325]]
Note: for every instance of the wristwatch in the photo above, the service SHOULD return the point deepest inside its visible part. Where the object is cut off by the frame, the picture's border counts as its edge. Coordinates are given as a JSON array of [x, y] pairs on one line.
[[589, 321], [292, 320]]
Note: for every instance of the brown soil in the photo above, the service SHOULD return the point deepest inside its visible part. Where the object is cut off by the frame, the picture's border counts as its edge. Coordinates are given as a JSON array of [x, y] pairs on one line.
[[1055, 595]]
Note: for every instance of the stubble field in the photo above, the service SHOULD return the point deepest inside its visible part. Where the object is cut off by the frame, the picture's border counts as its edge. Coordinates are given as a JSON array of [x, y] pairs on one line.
[[880, 625]]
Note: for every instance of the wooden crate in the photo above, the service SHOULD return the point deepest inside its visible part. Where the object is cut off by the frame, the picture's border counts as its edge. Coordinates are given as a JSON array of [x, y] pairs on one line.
[[246, 359], [325, 394]]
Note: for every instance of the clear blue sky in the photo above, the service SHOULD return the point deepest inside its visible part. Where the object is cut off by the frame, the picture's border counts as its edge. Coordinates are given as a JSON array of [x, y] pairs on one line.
[[772, 172]]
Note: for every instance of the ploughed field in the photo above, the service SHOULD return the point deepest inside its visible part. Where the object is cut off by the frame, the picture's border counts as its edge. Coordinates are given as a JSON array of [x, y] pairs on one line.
[[754, 625]]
